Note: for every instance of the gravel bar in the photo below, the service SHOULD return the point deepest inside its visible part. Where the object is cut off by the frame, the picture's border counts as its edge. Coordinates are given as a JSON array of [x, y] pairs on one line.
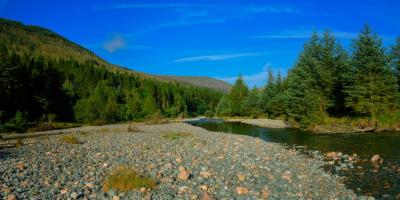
[[201, 165]]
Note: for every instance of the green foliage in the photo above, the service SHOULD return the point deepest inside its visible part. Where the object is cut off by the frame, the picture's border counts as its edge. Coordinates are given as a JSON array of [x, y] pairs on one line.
[[223, 108], [251, 104], [176, 135], [150, 105], [373, 90], [70, 139], [395, 60], [17, 123], [238, 94]]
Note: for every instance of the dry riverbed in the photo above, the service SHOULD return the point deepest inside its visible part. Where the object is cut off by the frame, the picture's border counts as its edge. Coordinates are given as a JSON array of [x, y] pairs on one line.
[[186, 162]]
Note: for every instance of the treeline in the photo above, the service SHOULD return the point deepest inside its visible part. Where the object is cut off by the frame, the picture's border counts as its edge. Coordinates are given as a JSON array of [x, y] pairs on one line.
[[33, 89], [327, 82]]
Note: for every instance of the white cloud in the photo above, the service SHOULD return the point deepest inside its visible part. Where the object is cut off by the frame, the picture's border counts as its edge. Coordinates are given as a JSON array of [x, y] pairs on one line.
[[114, 44], [215, 57]]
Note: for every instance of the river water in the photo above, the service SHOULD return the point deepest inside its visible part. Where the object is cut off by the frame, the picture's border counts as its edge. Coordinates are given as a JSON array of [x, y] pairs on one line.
[[381, 181]]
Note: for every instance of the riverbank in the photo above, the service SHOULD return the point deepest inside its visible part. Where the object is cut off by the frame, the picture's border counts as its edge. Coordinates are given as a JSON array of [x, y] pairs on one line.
[[187, 162]]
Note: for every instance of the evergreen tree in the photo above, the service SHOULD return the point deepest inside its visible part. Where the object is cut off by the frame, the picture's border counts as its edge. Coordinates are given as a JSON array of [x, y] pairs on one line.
[[223, 109], [395, 60], [133, 106], [251, 104], [150, 105], [373, 90], [238, 93]]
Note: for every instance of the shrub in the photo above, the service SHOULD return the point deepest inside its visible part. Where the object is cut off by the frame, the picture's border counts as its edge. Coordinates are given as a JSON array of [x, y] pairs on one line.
[[209, 114], [70, 139], [133, 129], [17, 123], [19, 143], [176, 135], [156, 118], [124, 179]]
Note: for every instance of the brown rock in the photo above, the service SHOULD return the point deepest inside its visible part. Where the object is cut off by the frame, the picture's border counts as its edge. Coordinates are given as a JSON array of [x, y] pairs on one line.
[[142, 190], [287, 175], [11, 197], [205, 174], [179, 159], [241, 176], [242, 190], [20, 166], [205, 196], [265, 193], [204, 187], [183, 173], [115, 197]]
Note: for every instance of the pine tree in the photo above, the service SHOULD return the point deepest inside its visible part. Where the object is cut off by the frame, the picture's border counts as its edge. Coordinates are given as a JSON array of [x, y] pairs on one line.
[[238, 93], [223, 108], [373, 90], [395, 60], [150, 105], [251, 105]]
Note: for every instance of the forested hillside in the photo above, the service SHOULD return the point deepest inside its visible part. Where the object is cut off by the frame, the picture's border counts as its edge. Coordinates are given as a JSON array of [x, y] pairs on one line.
[[201, 81], [329, 85], [45, 78]]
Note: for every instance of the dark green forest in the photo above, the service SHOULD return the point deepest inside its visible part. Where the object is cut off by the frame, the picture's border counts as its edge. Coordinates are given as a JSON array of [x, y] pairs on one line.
[[37, 85], [328, 85]]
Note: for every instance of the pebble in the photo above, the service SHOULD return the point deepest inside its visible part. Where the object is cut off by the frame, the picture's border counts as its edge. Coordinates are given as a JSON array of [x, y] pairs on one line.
[[242, 190]]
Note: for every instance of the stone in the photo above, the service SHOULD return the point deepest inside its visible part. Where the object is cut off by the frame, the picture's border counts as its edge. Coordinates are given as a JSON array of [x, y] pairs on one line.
[[331, 162], [20, 166], [74, 195], [105, 165], [142, 190], [375, 158], [205, 196], [204, 187], [265, 193], [205, 174], [242, 190], [179, 159], [90, 185], [183, 174], [194, 196], [241, 176], [287, 175], [115, 197], [183, 189], [63, 191], [11, 197]]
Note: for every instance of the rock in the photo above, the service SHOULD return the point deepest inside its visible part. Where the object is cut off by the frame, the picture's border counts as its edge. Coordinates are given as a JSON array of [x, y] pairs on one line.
[[205, 174], [63, 192], [205, 196], [105, 165], [178, 159], [331, 155], [11, 197], [90, 185], [194, 196], [183, 174], [242, 190], [265, 193], [20, 166], [74, 195], [241, 176], [287, 175], [142, 190], [204, 187], [375, 158], [183, 189], [332, 162], [115, 197]]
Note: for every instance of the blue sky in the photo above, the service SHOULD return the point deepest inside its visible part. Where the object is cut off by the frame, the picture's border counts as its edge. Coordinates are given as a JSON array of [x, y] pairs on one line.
[[205, 38]]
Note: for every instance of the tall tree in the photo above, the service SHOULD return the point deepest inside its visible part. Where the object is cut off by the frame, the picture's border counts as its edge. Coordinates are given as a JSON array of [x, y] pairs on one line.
[[150, 105], [251, 104], [395, 58], [223, 108], [373, 90], [238, 93]]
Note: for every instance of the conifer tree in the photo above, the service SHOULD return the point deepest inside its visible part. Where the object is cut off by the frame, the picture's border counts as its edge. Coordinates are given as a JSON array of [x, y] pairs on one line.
[[373, 90], [238, 93], [223, 108], [395, 60], [251, 104], [150, 105]]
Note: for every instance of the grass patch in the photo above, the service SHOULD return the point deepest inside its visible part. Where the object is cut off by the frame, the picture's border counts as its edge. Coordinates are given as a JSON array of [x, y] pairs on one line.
[[47, 126], [19, 143], [70, 139], [133, 129], [156, 118], [176, 135], [124, 179]]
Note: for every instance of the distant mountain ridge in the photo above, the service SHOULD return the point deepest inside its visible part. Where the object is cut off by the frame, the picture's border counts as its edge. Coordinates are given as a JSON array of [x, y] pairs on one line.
[[52, 45]]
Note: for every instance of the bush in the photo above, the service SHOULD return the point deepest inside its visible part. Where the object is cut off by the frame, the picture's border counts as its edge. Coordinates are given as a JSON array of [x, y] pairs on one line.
[[124, 179], [70, 139], [209, 113], [133, 129], [17, 123], [176, 135], [156, 118]]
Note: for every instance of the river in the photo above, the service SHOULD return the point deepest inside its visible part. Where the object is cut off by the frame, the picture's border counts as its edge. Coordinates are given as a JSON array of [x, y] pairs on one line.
[[381, 181]]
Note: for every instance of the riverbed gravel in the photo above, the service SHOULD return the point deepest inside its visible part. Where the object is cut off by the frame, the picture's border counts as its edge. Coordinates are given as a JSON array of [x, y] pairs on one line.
[[200, 165]]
